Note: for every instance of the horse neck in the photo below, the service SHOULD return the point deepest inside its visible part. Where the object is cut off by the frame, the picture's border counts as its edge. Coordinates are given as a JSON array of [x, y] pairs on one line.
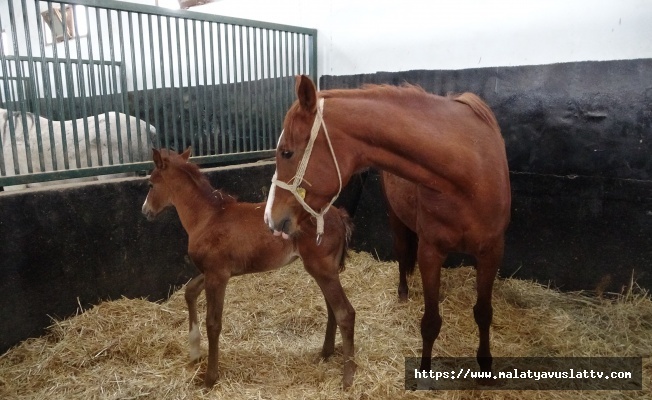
[[382, 141], [194, 203]]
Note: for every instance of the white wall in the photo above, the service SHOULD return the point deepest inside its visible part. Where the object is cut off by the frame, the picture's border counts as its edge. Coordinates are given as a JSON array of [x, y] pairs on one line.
[[365, 36]]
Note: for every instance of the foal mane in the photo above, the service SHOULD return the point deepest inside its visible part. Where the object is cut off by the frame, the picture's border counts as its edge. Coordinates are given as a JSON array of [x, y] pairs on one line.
[[217, 197]]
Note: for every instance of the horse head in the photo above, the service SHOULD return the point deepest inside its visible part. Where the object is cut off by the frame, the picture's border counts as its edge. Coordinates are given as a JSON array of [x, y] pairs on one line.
[[307, 178]]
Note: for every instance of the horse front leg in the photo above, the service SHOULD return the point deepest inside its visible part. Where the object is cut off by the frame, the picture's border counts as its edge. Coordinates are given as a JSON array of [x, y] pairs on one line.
[[193, 289], [215, 292], [430, 260], [486, 270]]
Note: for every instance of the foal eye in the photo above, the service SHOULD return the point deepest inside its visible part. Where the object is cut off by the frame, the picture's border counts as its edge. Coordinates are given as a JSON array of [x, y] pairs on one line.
[[287, 154], [150, 184]]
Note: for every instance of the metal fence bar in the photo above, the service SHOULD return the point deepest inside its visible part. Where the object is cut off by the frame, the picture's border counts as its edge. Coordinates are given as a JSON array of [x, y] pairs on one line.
[[226, 99], [179, 91]]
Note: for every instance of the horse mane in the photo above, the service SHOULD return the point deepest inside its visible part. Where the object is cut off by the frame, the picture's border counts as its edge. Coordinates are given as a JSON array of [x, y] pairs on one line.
[[407, 90], [216, 196], [479, 107], [372, 90]]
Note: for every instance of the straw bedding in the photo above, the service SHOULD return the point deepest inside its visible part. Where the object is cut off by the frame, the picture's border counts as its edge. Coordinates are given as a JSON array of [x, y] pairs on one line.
[[273, 330]]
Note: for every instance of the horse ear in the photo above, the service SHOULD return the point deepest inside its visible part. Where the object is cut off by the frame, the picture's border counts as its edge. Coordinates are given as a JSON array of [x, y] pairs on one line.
[[186, 154], [306, 93], [158, 161]]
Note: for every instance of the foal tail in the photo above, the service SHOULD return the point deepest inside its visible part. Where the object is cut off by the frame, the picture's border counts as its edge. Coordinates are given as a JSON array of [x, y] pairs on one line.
[[479, 107], [348, 232]]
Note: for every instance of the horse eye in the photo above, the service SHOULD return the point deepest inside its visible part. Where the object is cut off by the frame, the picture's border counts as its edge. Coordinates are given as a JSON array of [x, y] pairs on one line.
[[287, 154], [150, 184]]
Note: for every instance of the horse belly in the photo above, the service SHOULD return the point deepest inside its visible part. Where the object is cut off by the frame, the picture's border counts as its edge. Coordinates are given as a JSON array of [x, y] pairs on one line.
[[461, 223]]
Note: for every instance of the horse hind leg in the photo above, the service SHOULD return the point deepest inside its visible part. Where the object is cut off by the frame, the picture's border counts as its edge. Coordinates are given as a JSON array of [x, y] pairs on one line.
[[486, 270], [193, 289], [405, 249], [215, 292]]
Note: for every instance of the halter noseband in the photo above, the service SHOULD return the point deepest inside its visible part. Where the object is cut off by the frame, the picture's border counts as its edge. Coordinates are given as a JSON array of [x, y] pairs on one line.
[[294, 188]]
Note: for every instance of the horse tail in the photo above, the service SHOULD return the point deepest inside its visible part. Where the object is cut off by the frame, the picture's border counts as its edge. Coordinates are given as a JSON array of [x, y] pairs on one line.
[[348, 232], [479, 107]]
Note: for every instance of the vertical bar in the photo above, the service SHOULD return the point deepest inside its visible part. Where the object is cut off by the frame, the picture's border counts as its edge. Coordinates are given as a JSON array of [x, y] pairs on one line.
[[313, 59], [214, 108], [223, 109], [70, 86], [275, 94], [144, 75], [173, 114], [82, 87], [180, 92], [268, 91], [47, 87], [189, 76], [256, 86], [199, 137], [286, 92], [12, 132], [168, 130], [231, 133], [142, 152], [155, 82], [103, 86], [236, 99], [125, 100], [59, 95], [250, 85], [117, 127], [21, 97], [32, 72], [306, 55], [94, 84], [205, 102], [242, 94]]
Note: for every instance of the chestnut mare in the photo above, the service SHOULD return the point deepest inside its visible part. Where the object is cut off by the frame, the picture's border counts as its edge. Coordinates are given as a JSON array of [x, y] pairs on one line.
[[450, 147], [228, 238]]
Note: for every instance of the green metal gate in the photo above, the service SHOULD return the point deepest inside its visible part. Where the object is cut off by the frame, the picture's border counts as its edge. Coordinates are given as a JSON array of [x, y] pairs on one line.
[[220, 85]]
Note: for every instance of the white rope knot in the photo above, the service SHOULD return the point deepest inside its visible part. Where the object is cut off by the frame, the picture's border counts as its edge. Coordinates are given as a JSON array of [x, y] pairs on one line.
[[294, 183]]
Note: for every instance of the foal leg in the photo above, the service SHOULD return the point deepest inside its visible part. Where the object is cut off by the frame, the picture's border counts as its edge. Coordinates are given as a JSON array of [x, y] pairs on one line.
[[327, 277], [215, 291], [430, 262], [329, 341], [487, 267], [193, 289]]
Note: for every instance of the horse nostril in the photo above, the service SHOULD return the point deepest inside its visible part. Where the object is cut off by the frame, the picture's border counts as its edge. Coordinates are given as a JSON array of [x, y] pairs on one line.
[[285, 225]]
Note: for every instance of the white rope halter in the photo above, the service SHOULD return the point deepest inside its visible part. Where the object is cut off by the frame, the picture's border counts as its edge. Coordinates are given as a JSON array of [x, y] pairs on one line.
[[293, 184]]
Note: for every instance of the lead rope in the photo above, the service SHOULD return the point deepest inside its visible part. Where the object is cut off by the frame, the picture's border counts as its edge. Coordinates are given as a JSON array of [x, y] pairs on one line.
[[301, 170]]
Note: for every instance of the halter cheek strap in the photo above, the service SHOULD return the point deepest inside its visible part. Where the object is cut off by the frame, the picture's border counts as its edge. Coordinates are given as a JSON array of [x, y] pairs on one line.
[[293, 184]]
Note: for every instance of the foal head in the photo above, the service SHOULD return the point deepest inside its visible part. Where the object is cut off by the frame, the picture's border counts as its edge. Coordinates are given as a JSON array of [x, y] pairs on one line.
[[159, 196]]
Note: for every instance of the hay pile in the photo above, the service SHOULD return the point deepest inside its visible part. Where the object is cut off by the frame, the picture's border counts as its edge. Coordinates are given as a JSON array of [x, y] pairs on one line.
[[273, 331]]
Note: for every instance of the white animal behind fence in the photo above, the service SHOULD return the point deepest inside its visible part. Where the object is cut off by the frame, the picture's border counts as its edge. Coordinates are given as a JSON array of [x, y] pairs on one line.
[[134, 148]]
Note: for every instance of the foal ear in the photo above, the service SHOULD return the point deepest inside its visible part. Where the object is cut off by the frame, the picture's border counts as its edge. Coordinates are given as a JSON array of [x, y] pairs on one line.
[[306, 93], [158, 160], [186, 154]]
